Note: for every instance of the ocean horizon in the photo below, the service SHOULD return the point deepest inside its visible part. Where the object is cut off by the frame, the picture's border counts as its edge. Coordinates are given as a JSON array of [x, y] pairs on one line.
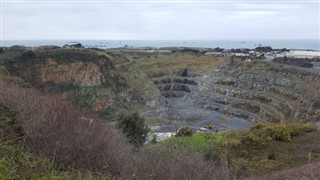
[[303, 44]]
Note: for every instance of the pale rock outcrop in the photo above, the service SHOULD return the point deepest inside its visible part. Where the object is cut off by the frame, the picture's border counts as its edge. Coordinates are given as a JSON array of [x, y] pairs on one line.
[[78, 73]]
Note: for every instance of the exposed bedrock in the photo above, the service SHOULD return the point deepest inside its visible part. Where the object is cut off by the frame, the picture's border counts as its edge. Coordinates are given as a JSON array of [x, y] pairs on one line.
[[256, 95]]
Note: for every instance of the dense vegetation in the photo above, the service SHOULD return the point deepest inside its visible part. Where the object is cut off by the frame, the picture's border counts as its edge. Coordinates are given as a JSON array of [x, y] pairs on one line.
[[262, 149], [134, 128], [15, 164], [72, 140]]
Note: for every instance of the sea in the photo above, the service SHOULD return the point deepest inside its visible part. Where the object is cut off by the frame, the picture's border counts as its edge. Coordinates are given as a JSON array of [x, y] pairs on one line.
[[298, 44]]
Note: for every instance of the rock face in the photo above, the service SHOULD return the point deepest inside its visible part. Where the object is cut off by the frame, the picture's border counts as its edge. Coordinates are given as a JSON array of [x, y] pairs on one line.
[[234, 94], [86, 78], [78, 73], [257, 91]]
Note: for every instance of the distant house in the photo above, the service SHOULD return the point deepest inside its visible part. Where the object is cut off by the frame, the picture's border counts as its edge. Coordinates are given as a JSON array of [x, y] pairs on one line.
[[214, 53], [241, 55], [158, 50], [150, 51], [252, 53], [164, 50], [259, 54], [303, 54]]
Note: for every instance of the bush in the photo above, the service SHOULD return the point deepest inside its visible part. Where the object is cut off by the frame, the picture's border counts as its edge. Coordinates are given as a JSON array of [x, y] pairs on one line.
[[2, 50], [316, 104], [28, 55], [65, 134], [59, 131], [212, 156], [134, 128], [10, 130], [272, 155], [244, 153], [76, 45], [261, 133], [15, 164], [263, 49], [178, 163], [64, 56], [185, 131]]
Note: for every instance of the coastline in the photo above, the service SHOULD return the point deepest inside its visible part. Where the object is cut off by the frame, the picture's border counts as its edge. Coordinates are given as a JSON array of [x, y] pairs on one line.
[[292, 44]]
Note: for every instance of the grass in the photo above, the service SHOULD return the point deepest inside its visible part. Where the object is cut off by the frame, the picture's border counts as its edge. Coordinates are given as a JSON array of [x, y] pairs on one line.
[[173, 63], [276, 114], [130, 74], [249, 105], [140, 84], [275, 155], [15, 164], [258, 151], [267, 148], [308, 171], [64, 134], [262, 149], [200, 141], [155, 121]]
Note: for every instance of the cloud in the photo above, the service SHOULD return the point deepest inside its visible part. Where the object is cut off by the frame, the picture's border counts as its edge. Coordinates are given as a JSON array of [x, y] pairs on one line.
[[156, 20], [270, 6], [252, 14]]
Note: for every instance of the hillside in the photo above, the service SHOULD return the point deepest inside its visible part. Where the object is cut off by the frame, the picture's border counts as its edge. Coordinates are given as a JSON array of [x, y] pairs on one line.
[[157, 84], [50, 99], [88, 78], [199, 90], [70, 143]]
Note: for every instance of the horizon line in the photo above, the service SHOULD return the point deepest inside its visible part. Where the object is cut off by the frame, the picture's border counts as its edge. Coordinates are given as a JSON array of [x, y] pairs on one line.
[[103, 39], [156, 1]]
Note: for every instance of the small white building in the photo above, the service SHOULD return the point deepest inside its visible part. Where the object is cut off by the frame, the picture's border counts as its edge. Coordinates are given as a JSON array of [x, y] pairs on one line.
[[158, 50], [241, 55], [302, 54], [213, 53]]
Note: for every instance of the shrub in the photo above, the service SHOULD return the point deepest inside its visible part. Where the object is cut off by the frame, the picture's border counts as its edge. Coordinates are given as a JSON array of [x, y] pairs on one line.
[[272, 155], [185, 131], [65, 134], [177, 163], [76, 45], [64, 56], [2, 50], [28, 55], [307, 171], [134, 128], [10, 130], [212, 156], [244, 153], [261, 133], [263, 49], [15, 164], [59, 131], [316, 104]]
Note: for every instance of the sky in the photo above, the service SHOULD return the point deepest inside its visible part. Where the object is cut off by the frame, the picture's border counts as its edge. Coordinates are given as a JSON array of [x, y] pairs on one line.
[[159, 20]]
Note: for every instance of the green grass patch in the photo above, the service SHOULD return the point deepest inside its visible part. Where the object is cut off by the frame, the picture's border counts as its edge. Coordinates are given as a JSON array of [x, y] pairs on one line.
[[15, 164], [200, 141]]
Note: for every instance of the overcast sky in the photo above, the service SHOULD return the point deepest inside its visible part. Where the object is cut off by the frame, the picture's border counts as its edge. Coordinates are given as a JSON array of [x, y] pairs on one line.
[[159, 20]]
